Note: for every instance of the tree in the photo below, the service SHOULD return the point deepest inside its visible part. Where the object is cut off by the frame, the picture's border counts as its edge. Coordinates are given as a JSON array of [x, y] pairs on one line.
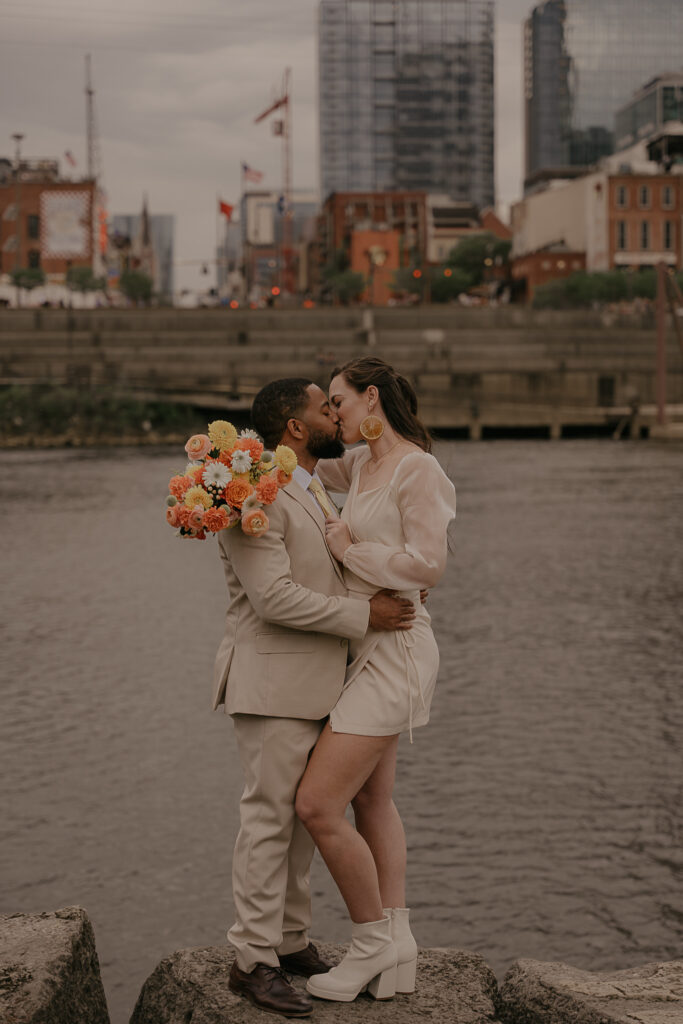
[[136, 286], [476, 252], [346, 285], [82, 279], [447, 284], [28, 278]]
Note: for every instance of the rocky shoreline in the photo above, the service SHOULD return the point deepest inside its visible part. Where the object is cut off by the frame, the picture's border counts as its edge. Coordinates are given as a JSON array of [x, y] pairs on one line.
[[49, 974]]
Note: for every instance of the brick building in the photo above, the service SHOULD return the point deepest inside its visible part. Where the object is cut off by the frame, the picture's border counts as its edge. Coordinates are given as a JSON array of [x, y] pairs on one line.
[[382, 232], [45, 221], [608, 220]]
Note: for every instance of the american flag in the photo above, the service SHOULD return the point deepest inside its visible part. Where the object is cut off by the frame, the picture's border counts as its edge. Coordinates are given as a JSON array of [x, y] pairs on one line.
[[251, 175]]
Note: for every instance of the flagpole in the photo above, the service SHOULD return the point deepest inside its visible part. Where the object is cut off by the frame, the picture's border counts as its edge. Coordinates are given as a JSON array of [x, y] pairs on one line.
[[218, 242]]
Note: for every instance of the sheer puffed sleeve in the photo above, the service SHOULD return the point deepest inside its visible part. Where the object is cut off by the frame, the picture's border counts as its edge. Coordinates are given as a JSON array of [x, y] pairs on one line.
[[426, 501], [337, 474]]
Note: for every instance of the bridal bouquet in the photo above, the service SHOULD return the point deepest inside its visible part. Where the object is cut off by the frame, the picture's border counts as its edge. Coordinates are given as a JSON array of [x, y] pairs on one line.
[[227, 482]]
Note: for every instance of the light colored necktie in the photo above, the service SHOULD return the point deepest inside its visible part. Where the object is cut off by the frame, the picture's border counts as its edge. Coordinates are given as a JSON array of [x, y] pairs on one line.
[[321, 497]]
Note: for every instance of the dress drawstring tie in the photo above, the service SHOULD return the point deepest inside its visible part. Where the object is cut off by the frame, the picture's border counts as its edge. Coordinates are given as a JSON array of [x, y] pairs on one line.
[[412, 673]]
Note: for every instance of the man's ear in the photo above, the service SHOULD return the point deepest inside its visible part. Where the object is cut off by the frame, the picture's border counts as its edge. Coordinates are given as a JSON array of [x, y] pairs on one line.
[[296, 428]]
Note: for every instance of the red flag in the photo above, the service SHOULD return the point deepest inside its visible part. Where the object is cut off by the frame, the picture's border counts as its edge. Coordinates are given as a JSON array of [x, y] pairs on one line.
[[225, 208]]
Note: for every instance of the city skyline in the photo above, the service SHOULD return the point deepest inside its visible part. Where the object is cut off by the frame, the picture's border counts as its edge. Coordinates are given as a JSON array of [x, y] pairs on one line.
[[179, 121], [406, 97]]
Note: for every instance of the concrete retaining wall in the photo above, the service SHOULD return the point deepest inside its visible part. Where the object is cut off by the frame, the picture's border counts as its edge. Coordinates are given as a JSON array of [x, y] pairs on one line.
[[471, 368]]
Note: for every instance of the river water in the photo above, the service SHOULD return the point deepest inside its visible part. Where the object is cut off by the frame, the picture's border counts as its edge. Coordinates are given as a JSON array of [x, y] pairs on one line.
[[543, 804]]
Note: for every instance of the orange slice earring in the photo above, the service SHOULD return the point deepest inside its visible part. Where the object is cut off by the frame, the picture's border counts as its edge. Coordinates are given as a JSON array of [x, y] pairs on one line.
[[371, 428]]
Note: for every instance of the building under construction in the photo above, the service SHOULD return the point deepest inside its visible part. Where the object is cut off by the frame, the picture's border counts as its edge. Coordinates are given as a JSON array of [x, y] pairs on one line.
[[406, 97]]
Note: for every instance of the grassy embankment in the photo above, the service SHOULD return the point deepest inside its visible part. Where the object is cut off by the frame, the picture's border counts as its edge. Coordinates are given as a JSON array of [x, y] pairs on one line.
[[49, 416]]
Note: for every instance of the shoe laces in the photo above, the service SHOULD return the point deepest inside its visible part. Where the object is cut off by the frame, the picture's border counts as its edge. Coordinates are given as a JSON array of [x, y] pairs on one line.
[[279, 972]]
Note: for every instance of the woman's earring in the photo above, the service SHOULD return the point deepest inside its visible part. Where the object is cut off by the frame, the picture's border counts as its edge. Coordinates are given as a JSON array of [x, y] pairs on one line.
[[371, 428]]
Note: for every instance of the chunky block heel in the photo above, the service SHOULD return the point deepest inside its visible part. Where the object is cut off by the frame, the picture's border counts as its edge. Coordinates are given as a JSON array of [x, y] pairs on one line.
[[369, 965], [405, 976], [383, 986]]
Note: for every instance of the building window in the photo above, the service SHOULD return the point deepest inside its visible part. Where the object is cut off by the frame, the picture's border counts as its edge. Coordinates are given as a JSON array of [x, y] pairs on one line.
[[622, 235], [669, 236], [645, 234], [622, 197], [667, 197], [33, 225], [644, 197], [33, 258]]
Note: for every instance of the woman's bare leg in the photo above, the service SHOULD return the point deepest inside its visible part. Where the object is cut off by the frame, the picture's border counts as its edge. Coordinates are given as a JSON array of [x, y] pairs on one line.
[[339, 767], [379, 823]]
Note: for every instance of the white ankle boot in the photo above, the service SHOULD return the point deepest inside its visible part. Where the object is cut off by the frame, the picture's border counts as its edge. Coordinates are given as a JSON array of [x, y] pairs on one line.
[[406, 949], [370, 963]]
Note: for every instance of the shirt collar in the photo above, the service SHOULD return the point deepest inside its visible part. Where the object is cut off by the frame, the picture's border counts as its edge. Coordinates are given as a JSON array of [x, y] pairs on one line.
[[303, 477]]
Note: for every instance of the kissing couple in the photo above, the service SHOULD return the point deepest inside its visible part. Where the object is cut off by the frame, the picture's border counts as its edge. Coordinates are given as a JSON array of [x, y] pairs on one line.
[[328, 656]]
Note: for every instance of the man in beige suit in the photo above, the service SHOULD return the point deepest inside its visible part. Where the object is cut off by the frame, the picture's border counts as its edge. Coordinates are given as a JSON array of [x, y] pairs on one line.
[[279, 671]]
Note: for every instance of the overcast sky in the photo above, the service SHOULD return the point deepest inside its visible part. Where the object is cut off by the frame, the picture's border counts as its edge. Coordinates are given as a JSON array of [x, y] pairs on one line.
[[177, 88]]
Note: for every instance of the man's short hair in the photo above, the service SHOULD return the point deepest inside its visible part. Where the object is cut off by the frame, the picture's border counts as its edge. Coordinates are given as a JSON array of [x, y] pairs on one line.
[[277, 403]]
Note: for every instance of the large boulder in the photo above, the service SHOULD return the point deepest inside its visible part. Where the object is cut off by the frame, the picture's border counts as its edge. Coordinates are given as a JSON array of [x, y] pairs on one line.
[[49, 971], [553, 993], [453, 987]]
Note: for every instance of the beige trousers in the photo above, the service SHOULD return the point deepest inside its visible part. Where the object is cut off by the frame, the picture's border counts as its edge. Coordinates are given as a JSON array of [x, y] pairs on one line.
[[272, 859]]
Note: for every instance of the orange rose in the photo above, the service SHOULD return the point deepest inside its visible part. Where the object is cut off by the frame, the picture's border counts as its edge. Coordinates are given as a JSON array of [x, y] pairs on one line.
[[216, 519], [283, 478], [172, 515], [198, 446], [178, 485], [195, 520], [255, 522], [251, 445], [236, 492], [266, 489], [225, 458]]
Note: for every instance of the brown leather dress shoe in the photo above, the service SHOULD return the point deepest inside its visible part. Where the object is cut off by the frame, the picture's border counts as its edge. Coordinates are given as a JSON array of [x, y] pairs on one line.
[[269, 988], [305, 961]]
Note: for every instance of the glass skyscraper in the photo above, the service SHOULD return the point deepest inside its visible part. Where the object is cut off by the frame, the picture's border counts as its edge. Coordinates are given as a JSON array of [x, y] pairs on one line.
[[584, 59], [406, 97]]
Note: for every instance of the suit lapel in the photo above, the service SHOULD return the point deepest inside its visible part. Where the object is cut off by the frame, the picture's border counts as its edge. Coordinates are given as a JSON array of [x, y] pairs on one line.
[[299, 495]]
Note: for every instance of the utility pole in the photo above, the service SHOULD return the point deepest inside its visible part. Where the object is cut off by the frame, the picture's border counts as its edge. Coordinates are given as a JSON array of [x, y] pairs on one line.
[[94, 163], [661, 343], [17, 197], [283, 128]]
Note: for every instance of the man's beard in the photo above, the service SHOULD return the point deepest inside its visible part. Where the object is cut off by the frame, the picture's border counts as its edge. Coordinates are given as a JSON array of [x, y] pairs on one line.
[[322, 446]]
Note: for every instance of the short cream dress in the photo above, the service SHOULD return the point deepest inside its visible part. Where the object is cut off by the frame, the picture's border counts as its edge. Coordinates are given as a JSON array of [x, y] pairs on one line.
[[399, 533]]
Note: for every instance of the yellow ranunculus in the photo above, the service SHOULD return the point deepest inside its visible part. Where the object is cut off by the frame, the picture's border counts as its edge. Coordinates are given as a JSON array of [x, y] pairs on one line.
[[198, 496], [285, 459], [222, 434]]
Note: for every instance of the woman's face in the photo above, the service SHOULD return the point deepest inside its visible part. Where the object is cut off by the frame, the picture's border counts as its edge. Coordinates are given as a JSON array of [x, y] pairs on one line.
[[350, 406]]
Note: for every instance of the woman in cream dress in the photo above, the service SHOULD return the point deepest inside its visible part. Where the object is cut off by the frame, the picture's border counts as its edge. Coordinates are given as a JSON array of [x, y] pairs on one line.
[[392, 534]]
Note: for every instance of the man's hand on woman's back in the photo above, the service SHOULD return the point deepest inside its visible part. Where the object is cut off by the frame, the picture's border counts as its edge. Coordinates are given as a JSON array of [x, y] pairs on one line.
[[388, 612]]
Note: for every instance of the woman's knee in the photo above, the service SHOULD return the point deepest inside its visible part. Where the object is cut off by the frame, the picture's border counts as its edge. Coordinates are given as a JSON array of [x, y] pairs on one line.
[[310, 808]]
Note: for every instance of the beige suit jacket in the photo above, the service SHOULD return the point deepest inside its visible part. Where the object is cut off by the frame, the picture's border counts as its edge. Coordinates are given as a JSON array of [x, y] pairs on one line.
[[289, 620]]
